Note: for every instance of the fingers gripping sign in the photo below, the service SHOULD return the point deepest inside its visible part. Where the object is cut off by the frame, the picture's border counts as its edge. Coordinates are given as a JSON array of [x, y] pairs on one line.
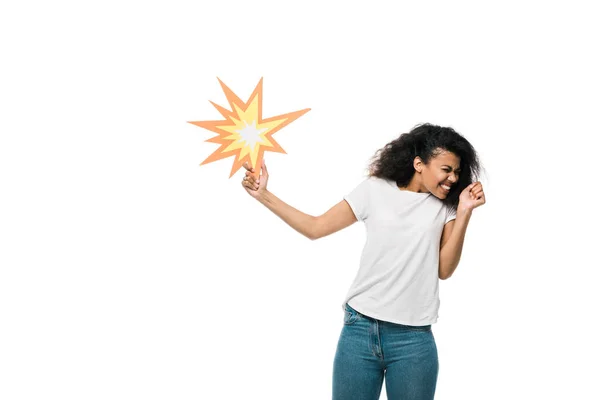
[[255, 182]]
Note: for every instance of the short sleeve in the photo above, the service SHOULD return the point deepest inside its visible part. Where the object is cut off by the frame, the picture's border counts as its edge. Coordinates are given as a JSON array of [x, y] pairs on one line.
[[450, 215], [358, 200]]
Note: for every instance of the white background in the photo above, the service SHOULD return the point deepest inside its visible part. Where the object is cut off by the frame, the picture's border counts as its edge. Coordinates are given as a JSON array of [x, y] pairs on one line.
[[128, 271]]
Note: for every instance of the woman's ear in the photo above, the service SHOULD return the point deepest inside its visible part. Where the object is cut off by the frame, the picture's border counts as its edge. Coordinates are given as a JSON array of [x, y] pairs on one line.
[[418, 164]]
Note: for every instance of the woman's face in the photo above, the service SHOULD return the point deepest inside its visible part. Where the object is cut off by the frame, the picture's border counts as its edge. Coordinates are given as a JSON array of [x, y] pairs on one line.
[[441, 174]]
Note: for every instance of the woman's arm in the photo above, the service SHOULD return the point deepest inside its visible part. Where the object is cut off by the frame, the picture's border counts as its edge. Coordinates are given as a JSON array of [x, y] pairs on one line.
[[453, 238], [453, 235], [336, 218]]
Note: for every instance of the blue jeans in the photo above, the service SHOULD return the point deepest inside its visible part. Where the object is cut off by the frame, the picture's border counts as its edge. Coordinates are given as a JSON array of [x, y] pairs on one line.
[[369, 350]]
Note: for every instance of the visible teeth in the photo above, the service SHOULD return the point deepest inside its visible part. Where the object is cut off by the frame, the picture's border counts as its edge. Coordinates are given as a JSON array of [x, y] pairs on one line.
[[446, 187]]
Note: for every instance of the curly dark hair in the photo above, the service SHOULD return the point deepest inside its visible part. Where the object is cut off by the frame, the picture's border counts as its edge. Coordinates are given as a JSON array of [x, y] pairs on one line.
[[395, 160]]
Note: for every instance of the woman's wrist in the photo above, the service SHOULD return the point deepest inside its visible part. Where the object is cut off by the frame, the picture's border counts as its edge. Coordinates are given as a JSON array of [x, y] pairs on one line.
[[463, 211], [264, 197]]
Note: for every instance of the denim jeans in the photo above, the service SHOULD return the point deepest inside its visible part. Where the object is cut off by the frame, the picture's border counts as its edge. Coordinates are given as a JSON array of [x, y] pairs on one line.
[[370, 350]]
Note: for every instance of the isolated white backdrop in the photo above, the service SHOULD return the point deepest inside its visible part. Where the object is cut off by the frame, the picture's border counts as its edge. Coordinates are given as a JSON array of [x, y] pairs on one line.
[[128, 271]]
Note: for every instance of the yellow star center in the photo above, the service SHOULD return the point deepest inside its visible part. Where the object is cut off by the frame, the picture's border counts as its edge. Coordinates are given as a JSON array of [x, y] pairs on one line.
[[251, 134]]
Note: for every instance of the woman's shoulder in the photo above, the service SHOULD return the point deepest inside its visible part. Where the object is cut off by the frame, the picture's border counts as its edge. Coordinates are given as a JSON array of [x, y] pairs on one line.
[[371, 185], [378, 185]]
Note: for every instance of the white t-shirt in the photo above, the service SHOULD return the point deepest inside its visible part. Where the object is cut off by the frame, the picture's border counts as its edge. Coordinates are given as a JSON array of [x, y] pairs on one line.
[[397, 280]]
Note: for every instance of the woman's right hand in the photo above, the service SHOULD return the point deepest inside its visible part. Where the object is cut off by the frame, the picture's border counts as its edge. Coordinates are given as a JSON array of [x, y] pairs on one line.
[[256, 187]]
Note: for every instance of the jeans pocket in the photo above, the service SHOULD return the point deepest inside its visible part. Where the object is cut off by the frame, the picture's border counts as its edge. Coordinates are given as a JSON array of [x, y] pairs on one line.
[[350, 316], [426, 328]]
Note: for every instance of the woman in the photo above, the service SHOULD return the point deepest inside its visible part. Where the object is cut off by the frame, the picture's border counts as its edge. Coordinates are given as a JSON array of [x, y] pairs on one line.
[[416, 205]]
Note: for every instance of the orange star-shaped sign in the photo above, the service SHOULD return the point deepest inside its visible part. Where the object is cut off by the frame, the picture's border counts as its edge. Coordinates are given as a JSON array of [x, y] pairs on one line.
[[244, 133]]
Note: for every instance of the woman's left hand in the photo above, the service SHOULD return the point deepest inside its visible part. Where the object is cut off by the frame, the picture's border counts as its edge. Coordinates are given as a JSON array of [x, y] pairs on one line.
[[472, 197]]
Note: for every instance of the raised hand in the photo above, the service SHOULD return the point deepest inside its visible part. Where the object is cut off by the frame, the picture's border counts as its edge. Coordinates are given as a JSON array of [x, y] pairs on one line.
[[255, 186], [472, 197]]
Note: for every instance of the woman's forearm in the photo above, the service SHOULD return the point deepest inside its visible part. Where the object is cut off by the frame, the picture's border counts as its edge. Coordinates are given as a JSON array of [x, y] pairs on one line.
[[451, 251], [301, 222]]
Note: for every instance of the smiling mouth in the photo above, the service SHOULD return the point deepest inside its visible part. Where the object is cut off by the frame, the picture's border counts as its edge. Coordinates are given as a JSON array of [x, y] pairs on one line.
[[446, 188]]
